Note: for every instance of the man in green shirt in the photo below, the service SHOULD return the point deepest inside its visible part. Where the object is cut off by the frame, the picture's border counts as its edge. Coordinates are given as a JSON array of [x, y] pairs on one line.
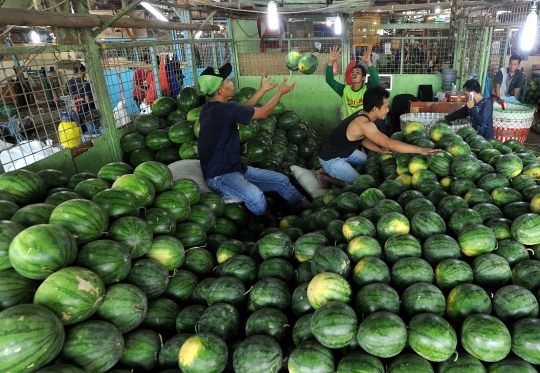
[[352, 96]]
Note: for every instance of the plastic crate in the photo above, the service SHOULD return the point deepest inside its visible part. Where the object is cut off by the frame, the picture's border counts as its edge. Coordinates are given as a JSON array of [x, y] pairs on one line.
[[429, 119]]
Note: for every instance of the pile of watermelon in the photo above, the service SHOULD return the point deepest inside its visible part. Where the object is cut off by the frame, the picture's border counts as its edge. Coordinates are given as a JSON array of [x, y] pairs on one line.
[[274, 143], [424, 264]]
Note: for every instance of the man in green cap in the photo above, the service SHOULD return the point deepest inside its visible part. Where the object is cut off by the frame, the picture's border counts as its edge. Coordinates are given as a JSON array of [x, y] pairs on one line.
[[219, 144]]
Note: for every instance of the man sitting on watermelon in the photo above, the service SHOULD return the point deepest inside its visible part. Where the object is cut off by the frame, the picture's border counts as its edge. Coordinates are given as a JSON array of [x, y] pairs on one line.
[[219, 144], [352, 93], [339, 154]]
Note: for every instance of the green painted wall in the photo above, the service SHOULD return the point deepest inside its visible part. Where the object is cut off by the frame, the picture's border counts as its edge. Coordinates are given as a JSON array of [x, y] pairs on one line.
[[318, 104]]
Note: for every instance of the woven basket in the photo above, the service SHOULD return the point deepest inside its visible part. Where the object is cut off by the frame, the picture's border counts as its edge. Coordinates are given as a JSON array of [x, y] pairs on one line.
[[429, 119], [513, 122]]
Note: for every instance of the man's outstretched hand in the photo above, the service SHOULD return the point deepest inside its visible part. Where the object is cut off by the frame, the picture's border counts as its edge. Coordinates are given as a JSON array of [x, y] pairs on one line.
[[267, 83], [367, 56], [335, 54], [284, 88]]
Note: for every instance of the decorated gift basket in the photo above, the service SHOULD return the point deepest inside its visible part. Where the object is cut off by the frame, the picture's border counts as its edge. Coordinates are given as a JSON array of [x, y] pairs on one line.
[[511, 121]]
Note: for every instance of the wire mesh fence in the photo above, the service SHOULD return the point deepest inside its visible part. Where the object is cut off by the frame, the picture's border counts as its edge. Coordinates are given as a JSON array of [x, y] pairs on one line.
[[47, 103]]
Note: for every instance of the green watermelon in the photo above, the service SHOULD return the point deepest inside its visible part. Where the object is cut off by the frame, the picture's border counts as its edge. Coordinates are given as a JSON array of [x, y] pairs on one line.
[[141, 349], [226, 289], [485, 337], [161, 221], [163, 106], [189, 188], [427, 223], [452, 272], [510, 165], [132, 142], [271, 292], [331, 259], [188, 317], [334, 324], [16, 289], [525, 340], [362, 246], [370, 270], [109, 259], [221, 319], [511, 250], [156, 173], [168, 251], [24, 186], [56, 198], [267, 351], [42, 249], [189, 150], [431, 337], [476, 239], [30, 336], [269, 322], [72, 293], [526, 274], [146, 123], [377, 297], [279, 268], [117, 203], [525, 229], [203, 353], [141, 188], [53, 178], [400, 246], [465, 300], [124, 305], [187, 99], [512, 302], [410, 363], [462, 362], [439, 247], [168, 355], [134, 233], [311, 356], [291, 60], [491, 271], [382, 334], [93, 345], [423, 297], [150, 276], [465, 166]]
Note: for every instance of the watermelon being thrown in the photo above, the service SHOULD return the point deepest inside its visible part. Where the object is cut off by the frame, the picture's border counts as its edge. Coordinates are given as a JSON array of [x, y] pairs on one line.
[[291, 60], [308, 63]]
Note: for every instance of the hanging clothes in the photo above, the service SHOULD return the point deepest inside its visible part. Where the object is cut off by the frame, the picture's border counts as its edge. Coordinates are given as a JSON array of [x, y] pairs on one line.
[[162, 75], [172, 78], [151, 94]]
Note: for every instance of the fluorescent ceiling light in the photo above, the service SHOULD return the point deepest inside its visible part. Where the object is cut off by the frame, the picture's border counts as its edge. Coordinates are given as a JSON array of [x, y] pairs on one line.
[[198, 34], [154, 11], [34, 36], [337, 26], [528, 34], [273, 23]]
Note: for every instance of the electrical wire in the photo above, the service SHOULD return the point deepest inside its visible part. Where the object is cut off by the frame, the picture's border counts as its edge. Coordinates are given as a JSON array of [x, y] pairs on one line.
[[241, 28]]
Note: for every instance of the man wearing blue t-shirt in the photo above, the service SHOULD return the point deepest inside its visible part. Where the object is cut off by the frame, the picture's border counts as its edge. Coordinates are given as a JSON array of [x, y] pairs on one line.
[[219, 144]]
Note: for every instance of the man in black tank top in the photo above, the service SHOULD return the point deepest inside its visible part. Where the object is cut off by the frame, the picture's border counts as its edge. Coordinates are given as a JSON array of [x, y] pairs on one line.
[[339, 154]]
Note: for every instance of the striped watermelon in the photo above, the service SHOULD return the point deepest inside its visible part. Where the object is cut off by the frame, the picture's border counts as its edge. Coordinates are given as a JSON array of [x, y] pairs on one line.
[[311, 356], [410, 363], [42, 249], [93, 345], [16, 289], [510, 165], [511, 364], [422, 297], [512, 251], [432, 337], [370, 270], [157, 173], [391, 224], [24, 186], [109, 259], [440, 247], [161, 221], [465, 300], [31, 336], [58, 197], [226, 289], [280, 268], [270, 292], [360, 247], [269, 322], [400, 246], [203, 353], [462, 362], [452, 272], [221, 319], [117, 203], [124, 305], [141, 188], [326, 287], [36, 213], [382, 334], [168, 251], [302, 329], [491, 271], [512, 302], [407, 271], [90, 187], [526, 229], [61, 368], [476, 239], [202, 215], [86, 220], [330, 259], [181, 286], [485, 337], [53, 178], [72, 293], [525, 340], [358, 226], [175, 203], [187, 318], [427, 223], [334, 324], [168, 355], [112, 171], [189, 188], [199, 261], [134, 233], [377, 297], [527, 274], [266, 349], [306, 246], [150, 276], [141, 348]]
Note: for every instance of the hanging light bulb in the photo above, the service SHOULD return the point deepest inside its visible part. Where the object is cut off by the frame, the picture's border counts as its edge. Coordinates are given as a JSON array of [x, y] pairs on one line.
[[337, 27], [528, 34], [34, 36], [273, 22]]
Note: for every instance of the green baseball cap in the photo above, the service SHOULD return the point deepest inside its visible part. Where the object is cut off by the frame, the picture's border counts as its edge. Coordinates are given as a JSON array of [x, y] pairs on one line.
[[211, 78]]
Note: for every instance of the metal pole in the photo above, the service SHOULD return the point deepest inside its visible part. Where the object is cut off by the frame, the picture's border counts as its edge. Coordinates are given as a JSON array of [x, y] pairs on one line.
[[117, 16]]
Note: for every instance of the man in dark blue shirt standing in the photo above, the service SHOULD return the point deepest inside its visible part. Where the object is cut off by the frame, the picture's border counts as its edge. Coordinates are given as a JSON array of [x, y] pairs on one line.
[[479, 108], [219, 144]]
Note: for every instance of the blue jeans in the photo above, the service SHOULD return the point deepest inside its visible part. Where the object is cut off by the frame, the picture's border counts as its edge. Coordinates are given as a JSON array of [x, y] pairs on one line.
[[250, 187], [343, 168]]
